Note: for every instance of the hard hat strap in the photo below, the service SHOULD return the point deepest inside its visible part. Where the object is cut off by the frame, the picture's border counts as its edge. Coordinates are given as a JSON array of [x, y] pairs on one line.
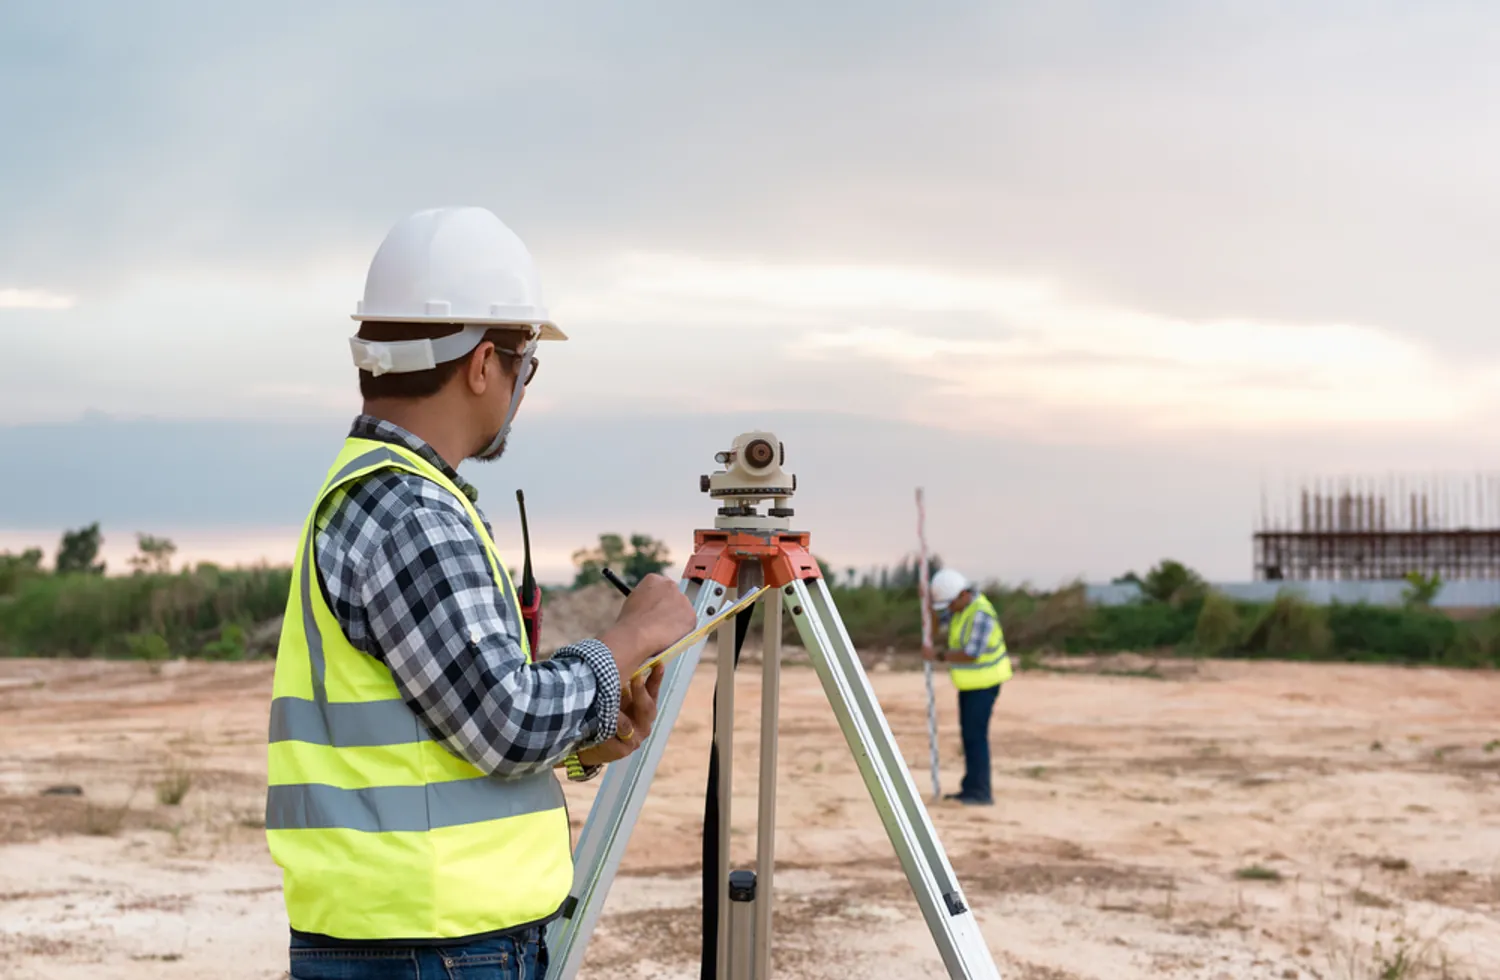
[[405, 356], [525, 355]]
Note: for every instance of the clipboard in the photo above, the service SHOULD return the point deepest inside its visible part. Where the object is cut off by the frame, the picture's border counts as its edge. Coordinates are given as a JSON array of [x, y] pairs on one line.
[[738, 606]]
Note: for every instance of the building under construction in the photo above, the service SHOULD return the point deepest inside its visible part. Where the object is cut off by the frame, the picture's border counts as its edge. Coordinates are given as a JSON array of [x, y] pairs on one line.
[[1373, 529]]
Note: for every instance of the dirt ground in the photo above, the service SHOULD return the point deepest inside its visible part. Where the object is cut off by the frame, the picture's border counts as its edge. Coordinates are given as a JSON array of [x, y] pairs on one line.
[[1211, 821]]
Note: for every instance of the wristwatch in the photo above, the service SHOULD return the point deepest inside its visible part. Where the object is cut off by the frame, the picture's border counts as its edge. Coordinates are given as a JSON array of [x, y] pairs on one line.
[[577, 771]]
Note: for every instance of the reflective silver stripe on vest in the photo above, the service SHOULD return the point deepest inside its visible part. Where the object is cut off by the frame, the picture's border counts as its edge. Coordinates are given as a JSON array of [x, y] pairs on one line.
[[978, 664], [384, 809], [345, 725], [374, 457]]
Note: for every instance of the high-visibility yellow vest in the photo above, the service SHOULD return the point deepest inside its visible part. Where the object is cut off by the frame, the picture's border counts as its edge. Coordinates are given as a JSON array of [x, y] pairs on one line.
[[993, 666], [380, 831]]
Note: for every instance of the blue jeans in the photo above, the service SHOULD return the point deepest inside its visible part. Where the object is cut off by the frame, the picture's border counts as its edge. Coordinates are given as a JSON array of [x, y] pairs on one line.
[[974, 710], [519, 957]]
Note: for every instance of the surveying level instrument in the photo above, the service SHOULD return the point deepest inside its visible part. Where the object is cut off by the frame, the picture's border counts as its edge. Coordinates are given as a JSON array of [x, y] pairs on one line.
[[747, 549]]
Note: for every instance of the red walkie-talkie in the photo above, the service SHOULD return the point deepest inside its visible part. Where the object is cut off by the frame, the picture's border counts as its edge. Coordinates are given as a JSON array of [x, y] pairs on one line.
[[530, 595]]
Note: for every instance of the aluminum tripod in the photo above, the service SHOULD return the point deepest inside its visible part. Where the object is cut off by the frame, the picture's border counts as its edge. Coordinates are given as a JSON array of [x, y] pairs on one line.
[[744, 550]]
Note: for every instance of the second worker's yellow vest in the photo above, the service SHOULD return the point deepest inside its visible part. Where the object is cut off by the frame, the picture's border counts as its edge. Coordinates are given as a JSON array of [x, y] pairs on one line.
[[380, 831], [993, 666]]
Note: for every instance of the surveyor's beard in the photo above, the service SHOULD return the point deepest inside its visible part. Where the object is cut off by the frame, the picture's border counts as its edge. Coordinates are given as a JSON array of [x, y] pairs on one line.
[[495, 449]]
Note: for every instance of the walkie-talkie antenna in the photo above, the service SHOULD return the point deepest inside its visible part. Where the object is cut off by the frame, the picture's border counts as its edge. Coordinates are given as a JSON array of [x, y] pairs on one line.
[[530, 596]]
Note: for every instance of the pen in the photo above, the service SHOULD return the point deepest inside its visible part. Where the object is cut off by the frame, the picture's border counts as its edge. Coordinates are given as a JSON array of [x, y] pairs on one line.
[[616, 581]]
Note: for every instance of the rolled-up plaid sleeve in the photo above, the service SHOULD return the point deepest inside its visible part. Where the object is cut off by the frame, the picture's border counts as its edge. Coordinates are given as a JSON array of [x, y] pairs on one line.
[[980, 630]]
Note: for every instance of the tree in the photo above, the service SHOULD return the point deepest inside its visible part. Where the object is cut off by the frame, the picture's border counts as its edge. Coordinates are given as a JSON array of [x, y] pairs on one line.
[[78, 550], [1172, 581], [1420, 590], [155, 555], [646, 556], [591, 562], [15, 569]]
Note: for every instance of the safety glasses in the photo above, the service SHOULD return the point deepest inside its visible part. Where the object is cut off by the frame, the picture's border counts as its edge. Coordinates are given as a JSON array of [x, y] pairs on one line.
[[515, 355]]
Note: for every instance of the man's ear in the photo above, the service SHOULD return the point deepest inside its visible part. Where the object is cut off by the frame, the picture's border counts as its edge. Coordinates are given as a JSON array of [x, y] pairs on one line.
[[480, 372]]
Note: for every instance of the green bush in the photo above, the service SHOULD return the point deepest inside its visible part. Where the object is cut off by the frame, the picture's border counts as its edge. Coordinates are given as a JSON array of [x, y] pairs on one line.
[[1478, 644], [1043, 621], [1136, 626], [229, 646], [1412, 635], [147, 646], [79, 615], [876, 618], [1219, 627], [16, 569], [1290, 629], [206, 612]]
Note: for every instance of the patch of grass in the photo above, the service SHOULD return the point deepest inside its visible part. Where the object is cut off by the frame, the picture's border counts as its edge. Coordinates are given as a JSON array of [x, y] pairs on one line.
[[1257, 872], [1491, 745], [1407, 960], [173, 786], [106, 821], [1377, 939], [1149, 672], [1370, 899], [103, 821]]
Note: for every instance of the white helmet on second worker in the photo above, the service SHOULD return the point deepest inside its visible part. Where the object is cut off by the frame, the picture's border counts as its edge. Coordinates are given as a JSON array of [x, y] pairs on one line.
[[946, 586], [449, 265]]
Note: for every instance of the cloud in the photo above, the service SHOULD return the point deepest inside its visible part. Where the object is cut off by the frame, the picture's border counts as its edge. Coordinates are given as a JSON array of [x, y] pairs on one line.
[[1273, 161], [981, 348], [1099, 223], [33, 299]]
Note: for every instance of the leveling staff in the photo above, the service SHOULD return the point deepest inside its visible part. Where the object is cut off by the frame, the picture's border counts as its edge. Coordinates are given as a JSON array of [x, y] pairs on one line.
[[978, 665], [412, 803]]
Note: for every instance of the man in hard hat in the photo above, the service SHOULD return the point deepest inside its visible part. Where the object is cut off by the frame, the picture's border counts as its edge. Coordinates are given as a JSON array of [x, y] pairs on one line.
[[978, 664], [412, 801]]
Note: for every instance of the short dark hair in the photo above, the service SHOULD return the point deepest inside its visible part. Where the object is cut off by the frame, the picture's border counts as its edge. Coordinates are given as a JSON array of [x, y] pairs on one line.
[[423, 384]]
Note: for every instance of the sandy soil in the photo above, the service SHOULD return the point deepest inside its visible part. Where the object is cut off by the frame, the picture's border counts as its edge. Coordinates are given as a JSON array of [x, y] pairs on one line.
[[1222, 821]]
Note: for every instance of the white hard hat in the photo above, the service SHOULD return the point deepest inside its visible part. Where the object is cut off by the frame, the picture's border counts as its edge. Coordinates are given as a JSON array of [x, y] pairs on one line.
[[448, 265], [946, 586]]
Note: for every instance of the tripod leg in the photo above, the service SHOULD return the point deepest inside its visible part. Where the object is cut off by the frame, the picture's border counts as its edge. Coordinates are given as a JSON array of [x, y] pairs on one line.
[[606, 832], [895, 795], [765, 824], [724, 742]]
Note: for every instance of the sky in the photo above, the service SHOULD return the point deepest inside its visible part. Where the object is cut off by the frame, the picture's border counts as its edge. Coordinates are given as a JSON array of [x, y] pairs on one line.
[[1091, 274]]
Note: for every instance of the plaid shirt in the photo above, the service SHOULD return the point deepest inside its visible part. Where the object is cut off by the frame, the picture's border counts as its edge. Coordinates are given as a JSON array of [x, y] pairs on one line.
[[979, 632], [407, 578]]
